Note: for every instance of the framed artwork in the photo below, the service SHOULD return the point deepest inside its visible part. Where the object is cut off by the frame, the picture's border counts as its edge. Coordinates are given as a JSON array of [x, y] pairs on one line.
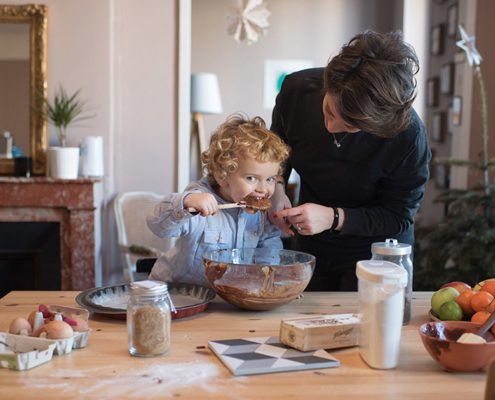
[[452, 20], [456, 111], [432, 92], [432, 165], [438, 126], [450, 125], [447, 78], [436, 39], [442, 177], [275, 72]]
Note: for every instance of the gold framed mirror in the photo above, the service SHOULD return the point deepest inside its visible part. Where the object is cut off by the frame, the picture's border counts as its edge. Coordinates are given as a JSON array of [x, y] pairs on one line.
[[17, 23]]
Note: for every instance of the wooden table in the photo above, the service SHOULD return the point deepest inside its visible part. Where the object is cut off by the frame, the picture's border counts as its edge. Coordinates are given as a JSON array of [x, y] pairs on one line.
[[105, 370]]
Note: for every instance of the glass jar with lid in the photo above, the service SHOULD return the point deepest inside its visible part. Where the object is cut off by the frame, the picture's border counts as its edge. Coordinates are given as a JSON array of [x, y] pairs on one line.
[[149, 318], [400, 254]]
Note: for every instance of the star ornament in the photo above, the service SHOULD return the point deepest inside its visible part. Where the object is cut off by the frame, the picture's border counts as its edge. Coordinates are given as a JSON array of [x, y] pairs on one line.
[[467, 44]]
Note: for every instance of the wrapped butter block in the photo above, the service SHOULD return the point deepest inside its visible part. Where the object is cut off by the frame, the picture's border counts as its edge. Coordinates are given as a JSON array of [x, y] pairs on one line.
[[329, 331]]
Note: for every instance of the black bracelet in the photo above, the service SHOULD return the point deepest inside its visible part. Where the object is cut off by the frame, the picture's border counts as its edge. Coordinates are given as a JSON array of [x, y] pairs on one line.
[[335, 222]]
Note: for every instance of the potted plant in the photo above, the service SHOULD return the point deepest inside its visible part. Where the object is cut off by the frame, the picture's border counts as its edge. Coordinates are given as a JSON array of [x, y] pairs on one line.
[[63, 111]]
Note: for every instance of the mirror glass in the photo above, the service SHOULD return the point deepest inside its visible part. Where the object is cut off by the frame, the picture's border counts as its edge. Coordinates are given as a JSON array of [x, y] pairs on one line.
[[22, 76]]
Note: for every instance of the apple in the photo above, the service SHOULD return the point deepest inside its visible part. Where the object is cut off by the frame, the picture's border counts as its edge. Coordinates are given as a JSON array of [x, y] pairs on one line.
[[442, 296], [460, 286], [480, 284]]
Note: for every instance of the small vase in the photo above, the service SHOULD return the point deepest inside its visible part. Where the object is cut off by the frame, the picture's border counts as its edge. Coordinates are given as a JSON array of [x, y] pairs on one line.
[[63, 162]]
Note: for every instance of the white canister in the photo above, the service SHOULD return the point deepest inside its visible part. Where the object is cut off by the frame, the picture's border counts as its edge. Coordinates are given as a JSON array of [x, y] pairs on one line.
[[381, 306], [91, 164]]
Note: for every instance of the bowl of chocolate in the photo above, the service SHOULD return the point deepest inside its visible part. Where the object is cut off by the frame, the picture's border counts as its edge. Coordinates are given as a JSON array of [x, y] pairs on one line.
[[258, 279], [442, 340]]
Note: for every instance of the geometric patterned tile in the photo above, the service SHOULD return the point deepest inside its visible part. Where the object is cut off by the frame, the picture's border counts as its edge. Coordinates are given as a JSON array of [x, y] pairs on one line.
[[266, 354]]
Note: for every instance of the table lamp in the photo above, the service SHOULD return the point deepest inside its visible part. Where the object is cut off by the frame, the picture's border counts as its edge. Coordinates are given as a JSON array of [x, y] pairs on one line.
[[205, 99]]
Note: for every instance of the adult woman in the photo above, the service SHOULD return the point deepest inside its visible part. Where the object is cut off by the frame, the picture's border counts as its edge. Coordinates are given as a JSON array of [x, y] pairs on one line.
[[361, 152]]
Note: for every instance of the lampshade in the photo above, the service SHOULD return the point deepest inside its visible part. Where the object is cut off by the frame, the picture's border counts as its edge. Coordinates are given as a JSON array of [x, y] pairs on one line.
[[205, 94]]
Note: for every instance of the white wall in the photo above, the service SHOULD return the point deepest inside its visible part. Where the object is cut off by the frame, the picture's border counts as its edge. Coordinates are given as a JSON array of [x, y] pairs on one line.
[[122, 54], [299, 29]]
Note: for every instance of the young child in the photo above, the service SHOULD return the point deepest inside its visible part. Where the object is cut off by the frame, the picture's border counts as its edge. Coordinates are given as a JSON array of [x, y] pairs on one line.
[[243, 159]]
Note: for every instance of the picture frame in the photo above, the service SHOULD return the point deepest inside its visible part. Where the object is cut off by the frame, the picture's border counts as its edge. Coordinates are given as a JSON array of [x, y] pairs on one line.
[[431, 165], [452, 12], [450, 125], [442, 176], [447, 78], [456, 115], [436, 39], [432, 87], [438, 126], [274, 75]]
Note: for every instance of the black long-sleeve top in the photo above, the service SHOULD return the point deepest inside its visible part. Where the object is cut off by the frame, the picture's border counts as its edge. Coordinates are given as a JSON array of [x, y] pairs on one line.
[[379, 182]]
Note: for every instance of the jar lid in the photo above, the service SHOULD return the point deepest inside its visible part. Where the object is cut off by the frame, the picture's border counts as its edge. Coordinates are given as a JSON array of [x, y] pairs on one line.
[[391, 248], [384, 272], [149, 287]]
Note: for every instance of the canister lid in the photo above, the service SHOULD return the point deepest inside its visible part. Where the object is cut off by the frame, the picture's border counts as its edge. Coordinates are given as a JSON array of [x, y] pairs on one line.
[[391, 248], [149, 287], [377, 271]]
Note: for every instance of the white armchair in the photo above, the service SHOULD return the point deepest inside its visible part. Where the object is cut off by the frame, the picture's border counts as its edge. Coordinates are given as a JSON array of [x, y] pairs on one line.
[[135, 238]]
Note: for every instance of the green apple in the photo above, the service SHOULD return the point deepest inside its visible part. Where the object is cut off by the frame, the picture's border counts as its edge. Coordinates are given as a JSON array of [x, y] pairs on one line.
[[450, 311], [442, 296], [478, 286]]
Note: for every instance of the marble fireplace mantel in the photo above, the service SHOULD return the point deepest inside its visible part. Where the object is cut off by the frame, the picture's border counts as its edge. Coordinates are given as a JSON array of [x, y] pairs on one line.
[[73, 204]]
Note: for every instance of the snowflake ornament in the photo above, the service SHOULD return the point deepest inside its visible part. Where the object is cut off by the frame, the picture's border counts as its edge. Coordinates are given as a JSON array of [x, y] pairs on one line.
[[248, 20]]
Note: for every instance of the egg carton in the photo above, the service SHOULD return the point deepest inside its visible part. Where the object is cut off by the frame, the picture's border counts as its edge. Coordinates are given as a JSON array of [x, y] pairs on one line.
[[80, 339], [24, 352]]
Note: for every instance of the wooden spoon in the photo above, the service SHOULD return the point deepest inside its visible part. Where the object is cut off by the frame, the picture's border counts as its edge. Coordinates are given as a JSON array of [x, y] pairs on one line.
[[487, 324], [468, 337]]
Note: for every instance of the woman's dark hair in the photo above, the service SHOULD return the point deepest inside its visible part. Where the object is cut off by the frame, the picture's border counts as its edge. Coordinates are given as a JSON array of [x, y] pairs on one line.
[[372, 82]]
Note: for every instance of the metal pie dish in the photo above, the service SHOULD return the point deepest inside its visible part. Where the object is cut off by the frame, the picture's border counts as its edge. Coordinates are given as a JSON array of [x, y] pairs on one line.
[[111, 301]]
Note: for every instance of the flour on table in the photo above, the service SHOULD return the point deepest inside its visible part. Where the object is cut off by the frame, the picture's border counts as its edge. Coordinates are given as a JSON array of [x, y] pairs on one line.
[[153, 381]]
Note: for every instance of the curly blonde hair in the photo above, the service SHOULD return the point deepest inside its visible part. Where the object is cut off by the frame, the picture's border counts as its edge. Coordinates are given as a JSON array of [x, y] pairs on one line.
[[237, 138]]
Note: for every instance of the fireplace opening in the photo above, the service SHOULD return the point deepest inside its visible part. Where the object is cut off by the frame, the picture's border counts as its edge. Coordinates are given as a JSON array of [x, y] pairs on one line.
[[29, 256]]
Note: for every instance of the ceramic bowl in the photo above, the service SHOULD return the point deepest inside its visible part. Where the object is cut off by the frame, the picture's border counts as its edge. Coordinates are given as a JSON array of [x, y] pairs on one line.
[[258, 279], [440, 339]]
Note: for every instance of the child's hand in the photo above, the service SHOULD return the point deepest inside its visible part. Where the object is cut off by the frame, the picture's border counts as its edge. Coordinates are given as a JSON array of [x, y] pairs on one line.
[[204, 203]]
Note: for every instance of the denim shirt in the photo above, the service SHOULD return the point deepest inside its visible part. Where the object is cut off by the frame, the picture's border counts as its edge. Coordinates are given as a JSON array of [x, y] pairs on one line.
[[229, 228]]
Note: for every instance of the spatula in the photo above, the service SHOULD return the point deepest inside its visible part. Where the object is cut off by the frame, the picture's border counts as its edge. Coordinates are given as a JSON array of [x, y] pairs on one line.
[[221, 206], [252, 203]]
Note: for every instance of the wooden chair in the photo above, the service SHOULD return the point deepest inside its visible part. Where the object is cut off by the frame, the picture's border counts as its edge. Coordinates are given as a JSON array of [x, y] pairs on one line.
[[136, 241]]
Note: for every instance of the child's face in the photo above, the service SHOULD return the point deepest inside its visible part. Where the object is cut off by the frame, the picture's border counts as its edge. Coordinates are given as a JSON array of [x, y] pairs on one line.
[[252, 178]]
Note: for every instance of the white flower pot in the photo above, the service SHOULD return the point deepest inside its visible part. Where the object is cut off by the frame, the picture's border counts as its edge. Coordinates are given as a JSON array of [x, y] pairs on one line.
[[63, 162]]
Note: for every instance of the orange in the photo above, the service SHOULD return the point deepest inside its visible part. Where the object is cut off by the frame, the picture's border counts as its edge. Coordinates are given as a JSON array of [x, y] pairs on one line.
[[464, 300], [489, 287], [480, 317], [481, 300], [491, 307]]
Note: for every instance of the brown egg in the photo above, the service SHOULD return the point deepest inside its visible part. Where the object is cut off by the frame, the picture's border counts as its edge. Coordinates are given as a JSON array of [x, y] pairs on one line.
[[20, 326], [81, 324], [58, 330]]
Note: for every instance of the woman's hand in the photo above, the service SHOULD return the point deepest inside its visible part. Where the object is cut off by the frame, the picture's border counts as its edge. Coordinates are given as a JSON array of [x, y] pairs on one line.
[[280, 201], [309, 218], [204, 203]]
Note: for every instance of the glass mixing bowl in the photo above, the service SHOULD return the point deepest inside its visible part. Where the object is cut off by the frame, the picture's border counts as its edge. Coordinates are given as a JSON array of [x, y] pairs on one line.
[[258, 279]]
